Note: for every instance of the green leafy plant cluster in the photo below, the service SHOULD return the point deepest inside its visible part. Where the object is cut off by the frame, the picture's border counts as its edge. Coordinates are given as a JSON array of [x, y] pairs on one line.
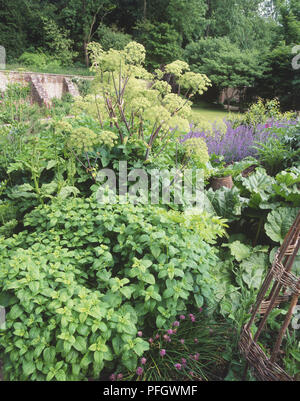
[[281, 150], [261, 112], [15, 105], [83, 278], [131, 105]]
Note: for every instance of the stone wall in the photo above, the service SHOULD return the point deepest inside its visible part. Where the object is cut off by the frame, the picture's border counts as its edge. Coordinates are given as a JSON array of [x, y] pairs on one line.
[[44, 86]]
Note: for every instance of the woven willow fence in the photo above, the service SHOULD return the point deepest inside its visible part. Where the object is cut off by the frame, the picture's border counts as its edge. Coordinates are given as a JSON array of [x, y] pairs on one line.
[[280, 285]]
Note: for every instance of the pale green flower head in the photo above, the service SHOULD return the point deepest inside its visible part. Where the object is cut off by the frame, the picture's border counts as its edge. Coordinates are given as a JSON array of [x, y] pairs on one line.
[[196, 83], [135, 53], [177, 68], [197, 148], [83, 139], [158, 114], [108, 138], [182, 125], [175, 104], [140, 104], [163, 87]]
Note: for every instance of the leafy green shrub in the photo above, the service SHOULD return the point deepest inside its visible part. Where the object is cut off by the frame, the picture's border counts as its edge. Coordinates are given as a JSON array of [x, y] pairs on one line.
[[111, 38], [261, 112], [16, 107], [58, 42], [84, 86], [281, 150], [84, 278], [37, 59], [162, 42]]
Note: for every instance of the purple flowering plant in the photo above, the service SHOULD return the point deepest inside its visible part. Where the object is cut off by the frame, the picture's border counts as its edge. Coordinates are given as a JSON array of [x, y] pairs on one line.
[[194, 352], [237, 143]]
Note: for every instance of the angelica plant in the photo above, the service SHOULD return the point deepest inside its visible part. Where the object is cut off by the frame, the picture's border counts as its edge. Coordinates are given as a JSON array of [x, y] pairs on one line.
[[134, 98]]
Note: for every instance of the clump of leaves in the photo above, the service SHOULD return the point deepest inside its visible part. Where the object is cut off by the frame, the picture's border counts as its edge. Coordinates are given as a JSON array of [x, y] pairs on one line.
[[84, 277]]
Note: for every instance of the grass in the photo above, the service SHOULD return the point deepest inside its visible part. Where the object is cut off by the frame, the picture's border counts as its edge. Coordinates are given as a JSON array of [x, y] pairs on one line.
[[74, 70], [209, 112]]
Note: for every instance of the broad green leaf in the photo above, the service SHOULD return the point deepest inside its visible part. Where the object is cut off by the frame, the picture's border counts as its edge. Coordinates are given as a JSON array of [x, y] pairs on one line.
[[28, 367], [80, 344], [60, 375], [49, 355], [279, 222], [98, 356], [226, 202], [199, 300], [238, 250], [253, 269]]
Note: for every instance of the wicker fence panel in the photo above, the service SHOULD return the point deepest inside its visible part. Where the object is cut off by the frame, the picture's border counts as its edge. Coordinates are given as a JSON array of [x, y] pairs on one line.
[[281, 285]]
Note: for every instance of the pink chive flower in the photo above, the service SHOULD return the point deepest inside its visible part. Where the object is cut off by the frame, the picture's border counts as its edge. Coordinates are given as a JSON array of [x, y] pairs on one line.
[[196, 356], [140, 333], [183, 360], [150, 340], [120, 376], [162, 352], [200, 310], [192, 317], [196, 340], [166, 337], [170, 331], [112, 377], [181, 317], [139, 371], [143, 361], [176, 323], [178, 366], [157, 336], [182, 341]]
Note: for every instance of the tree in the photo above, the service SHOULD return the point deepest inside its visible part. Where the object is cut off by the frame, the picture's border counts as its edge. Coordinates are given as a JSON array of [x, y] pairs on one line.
[[242, 21], [83, 17], [161, 41], [281, 80], [21, 25], [225, 64]]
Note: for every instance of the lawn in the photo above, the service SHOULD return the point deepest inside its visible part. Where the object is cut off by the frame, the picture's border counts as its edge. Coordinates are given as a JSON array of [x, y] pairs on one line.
[[209, 112], [74, 70]]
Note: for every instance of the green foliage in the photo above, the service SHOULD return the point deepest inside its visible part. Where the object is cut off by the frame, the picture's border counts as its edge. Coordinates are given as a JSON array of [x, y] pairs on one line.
[[162, 42], [224, 62], [131, 106], [280, 79], [39, 60], [87, 279], [279, 222], [197, 331], [15, 107], [197, 149], [111, 38], [58, 42], [226, 202], [262, 112], [281, 150]]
